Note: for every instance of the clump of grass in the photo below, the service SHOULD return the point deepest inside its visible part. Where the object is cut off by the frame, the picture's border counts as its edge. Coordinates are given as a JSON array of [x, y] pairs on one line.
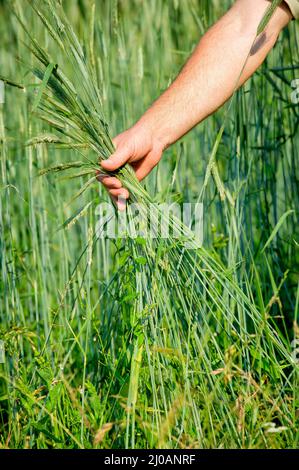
[[77, 114]]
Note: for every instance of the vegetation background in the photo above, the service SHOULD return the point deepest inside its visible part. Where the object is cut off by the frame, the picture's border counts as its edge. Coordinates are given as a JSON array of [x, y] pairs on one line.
[[82, 368]]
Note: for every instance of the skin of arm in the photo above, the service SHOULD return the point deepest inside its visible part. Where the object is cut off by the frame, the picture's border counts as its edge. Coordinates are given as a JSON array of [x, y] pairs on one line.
[[205, 83]]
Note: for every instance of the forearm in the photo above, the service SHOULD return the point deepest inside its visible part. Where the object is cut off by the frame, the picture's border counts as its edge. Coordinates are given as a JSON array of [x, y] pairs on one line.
[[210, 76]]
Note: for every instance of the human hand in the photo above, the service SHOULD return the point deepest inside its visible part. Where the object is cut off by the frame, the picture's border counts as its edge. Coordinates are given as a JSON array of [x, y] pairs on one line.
[[138, 147]]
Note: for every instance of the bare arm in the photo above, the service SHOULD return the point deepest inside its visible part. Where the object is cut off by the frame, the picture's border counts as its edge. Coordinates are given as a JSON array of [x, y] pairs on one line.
[[205, 83]]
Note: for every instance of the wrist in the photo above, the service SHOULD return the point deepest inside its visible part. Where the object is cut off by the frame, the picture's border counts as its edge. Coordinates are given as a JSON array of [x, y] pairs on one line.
[[156, 131]]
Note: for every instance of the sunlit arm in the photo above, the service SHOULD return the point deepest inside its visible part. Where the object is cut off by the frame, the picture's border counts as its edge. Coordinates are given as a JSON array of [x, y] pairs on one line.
[[205, 83]]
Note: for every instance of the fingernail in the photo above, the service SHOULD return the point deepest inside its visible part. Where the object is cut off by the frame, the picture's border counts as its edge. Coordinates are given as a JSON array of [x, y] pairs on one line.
[[121, 203]]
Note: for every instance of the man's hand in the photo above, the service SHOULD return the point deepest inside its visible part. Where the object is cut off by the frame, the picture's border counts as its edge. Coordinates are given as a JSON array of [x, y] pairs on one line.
[[208, 79], [138, 147]]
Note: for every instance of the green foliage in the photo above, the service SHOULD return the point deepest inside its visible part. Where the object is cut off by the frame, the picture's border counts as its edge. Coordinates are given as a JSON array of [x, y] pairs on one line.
[[141, 343]]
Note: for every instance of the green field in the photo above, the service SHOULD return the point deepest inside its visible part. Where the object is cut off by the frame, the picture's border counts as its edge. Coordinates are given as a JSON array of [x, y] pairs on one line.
[[130, 342]]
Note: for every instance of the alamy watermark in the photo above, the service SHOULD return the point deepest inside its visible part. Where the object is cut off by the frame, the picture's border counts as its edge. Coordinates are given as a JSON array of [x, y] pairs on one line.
[[295, 93], [295, 350], [2, 92], [182, 222]]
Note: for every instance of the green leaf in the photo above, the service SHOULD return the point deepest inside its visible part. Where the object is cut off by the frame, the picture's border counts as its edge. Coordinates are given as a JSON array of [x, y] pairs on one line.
[[140, 260], [267, 16], [277, 227], [43, 85], [74, 218]]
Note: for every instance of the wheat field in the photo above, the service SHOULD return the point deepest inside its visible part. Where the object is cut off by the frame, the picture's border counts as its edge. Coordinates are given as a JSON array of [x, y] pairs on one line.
[[129, 342]]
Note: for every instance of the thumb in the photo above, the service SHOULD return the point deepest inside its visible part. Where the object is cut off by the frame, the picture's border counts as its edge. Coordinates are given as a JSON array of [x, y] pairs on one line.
[[117, 159]]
